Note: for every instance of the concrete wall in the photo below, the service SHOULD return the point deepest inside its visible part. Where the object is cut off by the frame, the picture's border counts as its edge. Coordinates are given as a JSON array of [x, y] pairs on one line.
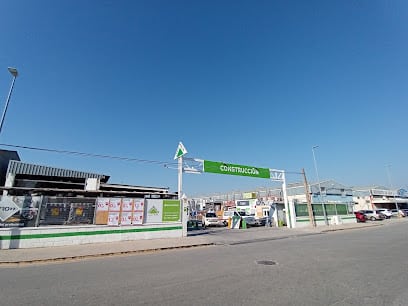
[[37, 237]]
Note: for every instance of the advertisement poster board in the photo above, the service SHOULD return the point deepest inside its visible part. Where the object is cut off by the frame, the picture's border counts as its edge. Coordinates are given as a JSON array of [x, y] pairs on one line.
[[19, 211], [127, 204], [137, 218], [102, 204], [113, 218], [138, 211], [154, 210], [126, 218], [171, 211], [115, 204], [138, 204]]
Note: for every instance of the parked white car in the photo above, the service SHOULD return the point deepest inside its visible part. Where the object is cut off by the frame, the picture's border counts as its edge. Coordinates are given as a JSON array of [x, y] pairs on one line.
[[386, 212], [211, 219]]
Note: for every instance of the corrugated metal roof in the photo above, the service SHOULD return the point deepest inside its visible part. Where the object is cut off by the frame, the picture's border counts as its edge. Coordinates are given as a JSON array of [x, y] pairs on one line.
[[17, 167]]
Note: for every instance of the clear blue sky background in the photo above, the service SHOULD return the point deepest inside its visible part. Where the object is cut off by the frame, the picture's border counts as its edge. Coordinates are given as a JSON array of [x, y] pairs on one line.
[[247, 82]]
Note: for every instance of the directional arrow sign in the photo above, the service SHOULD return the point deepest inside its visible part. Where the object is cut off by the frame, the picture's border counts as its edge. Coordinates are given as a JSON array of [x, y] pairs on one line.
[[181, 150]]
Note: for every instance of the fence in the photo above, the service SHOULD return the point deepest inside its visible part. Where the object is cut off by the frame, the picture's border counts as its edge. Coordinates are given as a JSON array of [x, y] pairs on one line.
[[66, 211]]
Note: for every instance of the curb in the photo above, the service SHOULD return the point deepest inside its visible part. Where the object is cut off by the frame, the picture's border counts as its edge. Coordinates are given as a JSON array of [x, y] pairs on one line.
[[89, 256]]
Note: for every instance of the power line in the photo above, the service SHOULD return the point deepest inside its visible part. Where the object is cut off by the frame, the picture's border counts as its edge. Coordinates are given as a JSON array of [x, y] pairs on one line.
[[130, 159], [146, 161]]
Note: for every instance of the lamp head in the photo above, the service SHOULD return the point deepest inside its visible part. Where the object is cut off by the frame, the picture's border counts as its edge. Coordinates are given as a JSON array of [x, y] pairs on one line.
[[13, 71]]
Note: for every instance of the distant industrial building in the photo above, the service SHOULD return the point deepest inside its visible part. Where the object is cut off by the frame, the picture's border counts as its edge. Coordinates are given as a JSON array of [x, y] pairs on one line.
[[375, 197]]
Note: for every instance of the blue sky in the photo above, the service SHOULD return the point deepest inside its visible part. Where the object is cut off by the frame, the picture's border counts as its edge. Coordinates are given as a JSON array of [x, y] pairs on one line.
[[247, 82]]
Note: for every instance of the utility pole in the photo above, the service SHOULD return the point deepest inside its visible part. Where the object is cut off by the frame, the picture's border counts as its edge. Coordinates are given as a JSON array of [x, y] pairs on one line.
[[391, 186], [14, 72], [320, 187], [308, 199]]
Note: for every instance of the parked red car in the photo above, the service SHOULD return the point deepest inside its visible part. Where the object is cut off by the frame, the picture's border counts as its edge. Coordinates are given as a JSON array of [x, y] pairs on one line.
[[360, 216]]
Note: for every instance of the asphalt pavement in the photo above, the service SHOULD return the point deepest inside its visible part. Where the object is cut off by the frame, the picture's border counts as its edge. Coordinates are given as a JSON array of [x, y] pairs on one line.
[[195, 238]]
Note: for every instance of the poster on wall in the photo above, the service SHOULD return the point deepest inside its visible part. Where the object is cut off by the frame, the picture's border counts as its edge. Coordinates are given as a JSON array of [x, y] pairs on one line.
[[139, 204], [171, 211], [154, 210], [137, 218], [126, 218], [113, 218], [115, 204], [138, 211], [127, 204], [102, 204]]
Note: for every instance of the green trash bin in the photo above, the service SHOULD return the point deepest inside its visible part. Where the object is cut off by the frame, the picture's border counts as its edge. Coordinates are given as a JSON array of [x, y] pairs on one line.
[[243, 224]]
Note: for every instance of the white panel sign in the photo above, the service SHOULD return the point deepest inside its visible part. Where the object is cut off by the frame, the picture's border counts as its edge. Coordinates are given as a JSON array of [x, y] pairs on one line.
[[154, 210]]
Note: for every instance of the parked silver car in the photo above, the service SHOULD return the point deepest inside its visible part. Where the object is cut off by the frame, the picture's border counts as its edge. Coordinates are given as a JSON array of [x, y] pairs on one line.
[[398, 213], [372, 215]]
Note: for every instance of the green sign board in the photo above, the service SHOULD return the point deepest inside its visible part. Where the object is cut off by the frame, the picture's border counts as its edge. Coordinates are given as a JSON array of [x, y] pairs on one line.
[[171, 211], [232, 169]]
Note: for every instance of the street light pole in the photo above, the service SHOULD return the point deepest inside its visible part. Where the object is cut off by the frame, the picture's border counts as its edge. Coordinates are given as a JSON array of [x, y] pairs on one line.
[[14, 73], [320, 188], [391, 186]]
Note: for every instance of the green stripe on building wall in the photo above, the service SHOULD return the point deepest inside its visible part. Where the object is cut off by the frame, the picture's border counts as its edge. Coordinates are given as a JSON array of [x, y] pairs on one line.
[[307, 220], [92, 233]]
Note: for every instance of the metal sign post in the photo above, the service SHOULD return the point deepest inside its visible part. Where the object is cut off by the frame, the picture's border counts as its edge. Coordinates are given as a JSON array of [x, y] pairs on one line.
[[180, 152], [279, 176]]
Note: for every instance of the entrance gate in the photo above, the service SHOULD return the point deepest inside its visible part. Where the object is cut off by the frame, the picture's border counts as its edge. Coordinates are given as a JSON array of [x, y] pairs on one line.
[[205, 166]]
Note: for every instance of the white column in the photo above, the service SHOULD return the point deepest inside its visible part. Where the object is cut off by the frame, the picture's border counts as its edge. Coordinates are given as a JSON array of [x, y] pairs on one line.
[[285, 199], [9, 182]]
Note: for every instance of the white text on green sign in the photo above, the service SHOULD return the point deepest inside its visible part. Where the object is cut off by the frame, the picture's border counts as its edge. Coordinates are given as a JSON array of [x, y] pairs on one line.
[[232, 169]]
